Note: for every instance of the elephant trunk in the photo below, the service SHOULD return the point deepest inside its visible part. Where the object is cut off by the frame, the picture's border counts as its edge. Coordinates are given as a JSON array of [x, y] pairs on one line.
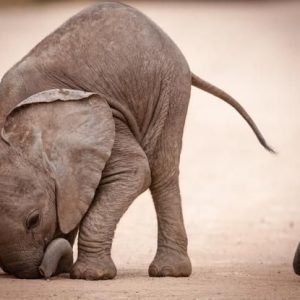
[[58, 258], [296, 262]]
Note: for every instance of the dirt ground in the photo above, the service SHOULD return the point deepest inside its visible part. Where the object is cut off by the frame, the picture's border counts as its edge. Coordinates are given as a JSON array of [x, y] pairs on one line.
[[241, 204]]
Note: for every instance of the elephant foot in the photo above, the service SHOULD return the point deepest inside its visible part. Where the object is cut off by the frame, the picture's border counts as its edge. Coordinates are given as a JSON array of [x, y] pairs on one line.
[[99, 268], [168, 262]]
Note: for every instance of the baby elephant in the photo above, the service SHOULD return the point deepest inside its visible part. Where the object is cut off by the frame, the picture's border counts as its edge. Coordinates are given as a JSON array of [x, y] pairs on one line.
[[91, 118]]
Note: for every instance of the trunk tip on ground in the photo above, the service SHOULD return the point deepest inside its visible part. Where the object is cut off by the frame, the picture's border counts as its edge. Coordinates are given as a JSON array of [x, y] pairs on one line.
[[296, 262], [58, 258]]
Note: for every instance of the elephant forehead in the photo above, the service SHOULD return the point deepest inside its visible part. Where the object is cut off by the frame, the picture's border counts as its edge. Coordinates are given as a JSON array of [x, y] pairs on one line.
[[18, 192], [14, 185]]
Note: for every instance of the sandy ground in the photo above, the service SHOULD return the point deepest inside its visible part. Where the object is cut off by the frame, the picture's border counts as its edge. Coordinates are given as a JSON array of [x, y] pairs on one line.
[[241, 204]]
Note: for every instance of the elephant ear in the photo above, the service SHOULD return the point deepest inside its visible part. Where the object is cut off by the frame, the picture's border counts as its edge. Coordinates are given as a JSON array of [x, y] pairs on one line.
[[71, 133]]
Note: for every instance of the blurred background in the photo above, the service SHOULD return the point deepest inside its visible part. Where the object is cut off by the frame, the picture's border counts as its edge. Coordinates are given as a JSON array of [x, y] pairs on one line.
[[241, 204]]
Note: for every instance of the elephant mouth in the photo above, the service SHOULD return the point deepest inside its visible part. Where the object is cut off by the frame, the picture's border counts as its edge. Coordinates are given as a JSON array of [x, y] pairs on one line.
[[29, 273], [18, 266], [57, 258]]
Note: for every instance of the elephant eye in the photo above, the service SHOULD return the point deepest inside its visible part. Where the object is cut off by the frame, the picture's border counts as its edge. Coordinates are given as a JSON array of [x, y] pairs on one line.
[[32, 220]]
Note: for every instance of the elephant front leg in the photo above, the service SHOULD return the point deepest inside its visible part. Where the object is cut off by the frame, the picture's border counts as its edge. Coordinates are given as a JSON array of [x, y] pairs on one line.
[[126, 175]]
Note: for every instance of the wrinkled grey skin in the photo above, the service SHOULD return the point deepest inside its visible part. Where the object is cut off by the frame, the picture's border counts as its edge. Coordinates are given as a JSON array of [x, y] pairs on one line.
[[70, 158]]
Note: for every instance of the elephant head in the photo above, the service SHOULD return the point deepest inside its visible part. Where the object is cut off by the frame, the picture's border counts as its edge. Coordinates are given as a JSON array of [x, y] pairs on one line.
[[54, 147]]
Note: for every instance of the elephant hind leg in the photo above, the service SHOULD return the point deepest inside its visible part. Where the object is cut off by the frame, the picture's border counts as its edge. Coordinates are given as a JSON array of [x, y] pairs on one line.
[[171, 258]]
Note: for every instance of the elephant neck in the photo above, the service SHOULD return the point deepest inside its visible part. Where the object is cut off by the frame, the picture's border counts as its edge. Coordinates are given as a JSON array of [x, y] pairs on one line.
[[12, 92], [20, 82]]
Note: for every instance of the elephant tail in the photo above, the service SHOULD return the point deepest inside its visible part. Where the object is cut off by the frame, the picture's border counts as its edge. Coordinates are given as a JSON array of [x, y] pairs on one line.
[[211, 89]]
